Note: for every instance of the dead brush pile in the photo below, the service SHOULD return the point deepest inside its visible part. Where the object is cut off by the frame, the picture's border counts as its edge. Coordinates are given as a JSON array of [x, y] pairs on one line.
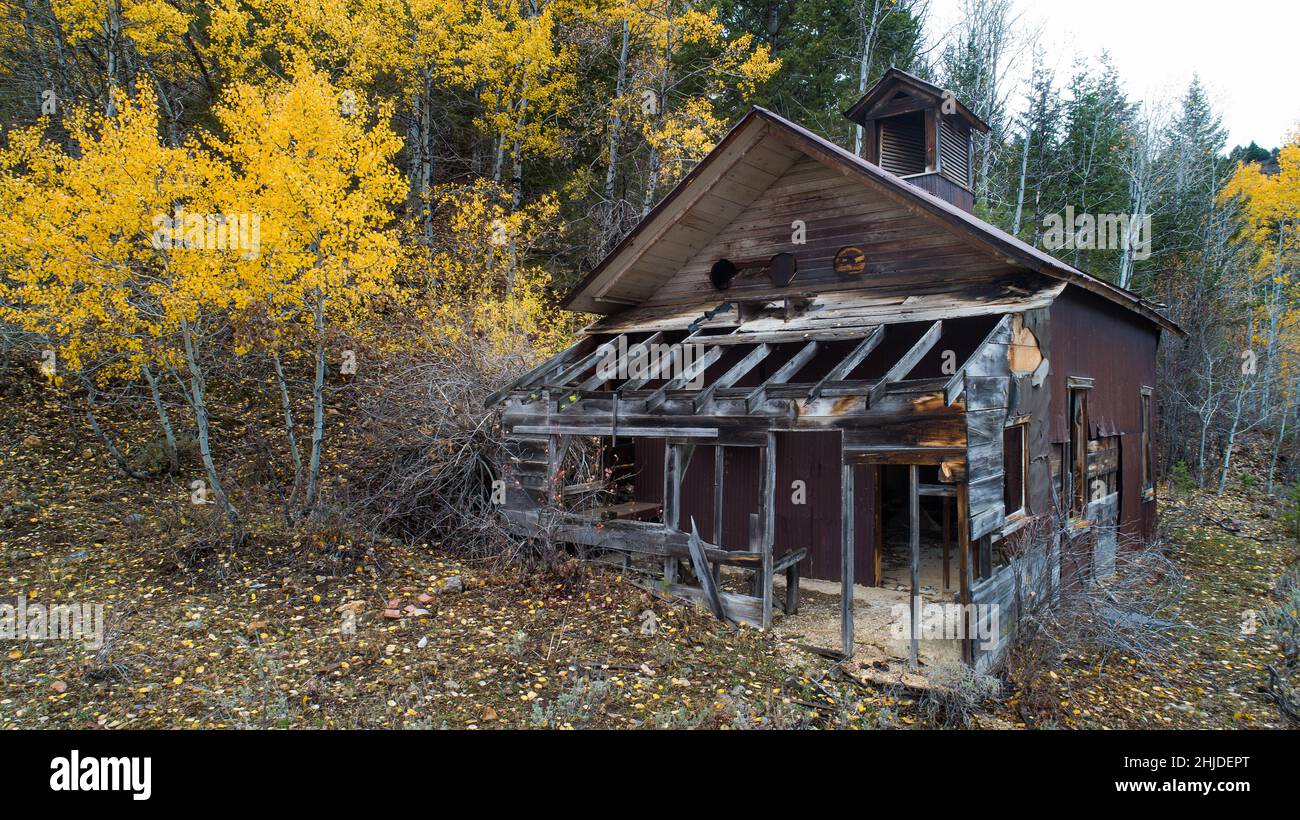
[[429, 450]]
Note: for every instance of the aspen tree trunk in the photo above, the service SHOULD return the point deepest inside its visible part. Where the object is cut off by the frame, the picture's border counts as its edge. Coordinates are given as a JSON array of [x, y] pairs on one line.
[[102, 435], [198, 400], [652, 184], [516, 188], [287, 407], [870, 21], [419, 135], [164, 419], [1243, 389], [1277, 442], [1020, 189], [1206, 414], [426, 161], [112, 34], [1232, 436], [608, 227], [652, 181], [30, 29], [318, 409]]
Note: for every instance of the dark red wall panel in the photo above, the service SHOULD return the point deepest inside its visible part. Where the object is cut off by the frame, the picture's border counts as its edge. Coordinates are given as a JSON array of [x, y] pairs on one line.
[[1096, 339]]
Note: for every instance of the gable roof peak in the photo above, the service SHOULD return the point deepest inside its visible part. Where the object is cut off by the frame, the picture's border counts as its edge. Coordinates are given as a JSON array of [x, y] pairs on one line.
[[894, 81]]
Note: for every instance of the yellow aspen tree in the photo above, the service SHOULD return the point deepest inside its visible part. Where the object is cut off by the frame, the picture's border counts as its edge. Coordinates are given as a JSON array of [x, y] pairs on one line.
[[76, 264], [313, 169]]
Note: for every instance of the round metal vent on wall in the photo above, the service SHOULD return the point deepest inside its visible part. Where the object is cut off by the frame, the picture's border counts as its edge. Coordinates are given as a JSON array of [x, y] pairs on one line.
[[850, 261]]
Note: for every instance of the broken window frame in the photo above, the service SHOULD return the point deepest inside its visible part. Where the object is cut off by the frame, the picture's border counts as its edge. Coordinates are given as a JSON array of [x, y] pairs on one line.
[[1076, 409], [1147, 443]]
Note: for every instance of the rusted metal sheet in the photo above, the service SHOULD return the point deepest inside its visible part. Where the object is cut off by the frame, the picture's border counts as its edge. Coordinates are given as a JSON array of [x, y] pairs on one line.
[[866, 524], [808, 512], [1092, 338], [740, 494], [697, 492], [648, 478]]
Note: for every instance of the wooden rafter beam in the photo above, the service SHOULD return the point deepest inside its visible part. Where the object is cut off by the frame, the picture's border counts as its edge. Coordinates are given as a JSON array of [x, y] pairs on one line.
[[908, 361], [696, 369], [650, 374], [597, 379], [782, 375], [536, 374], [733, 375], [585, 362], [841, 371]]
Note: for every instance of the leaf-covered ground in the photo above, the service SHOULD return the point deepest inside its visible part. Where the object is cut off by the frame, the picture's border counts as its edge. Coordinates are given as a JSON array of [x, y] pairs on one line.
[[203, 636], [1210, 673], [255, 637]]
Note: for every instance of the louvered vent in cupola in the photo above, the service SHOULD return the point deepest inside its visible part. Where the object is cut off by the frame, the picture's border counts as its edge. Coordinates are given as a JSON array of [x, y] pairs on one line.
[[918, 131]]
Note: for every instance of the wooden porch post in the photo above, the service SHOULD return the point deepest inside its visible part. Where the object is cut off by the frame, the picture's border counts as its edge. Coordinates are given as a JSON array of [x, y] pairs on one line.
[[719, 467], [963, 559], [846, 558], [769, 525], [675, 458], [914, 535]]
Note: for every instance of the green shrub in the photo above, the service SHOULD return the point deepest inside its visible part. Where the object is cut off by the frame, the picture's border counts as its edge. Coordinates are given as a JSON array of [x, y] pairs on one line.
[[1182, 478], [1291, 517]]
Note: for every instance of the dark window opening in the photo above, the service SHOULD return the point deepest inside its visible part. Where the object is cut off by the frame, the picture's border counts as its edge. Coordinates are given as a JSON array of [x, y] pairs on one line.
[[1078, 461], [1148, 462], [1015, 468]]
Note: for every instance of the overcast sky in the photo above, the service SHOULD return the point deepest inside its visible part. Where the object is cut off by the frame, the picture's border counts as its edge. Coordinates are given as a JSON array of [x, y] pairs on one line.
[[1246, 52]]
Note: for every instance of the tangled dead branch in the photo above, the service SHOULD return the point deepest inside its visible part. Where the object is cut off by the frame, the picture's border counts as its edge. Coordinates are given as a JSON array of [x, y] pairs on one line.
[[429, 450]]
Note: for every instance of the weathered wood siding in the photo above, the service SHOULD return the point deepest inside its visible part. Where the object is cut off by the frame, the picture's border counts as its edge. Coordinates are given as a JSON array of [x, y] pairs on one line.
[[904, 254], [988, 404]]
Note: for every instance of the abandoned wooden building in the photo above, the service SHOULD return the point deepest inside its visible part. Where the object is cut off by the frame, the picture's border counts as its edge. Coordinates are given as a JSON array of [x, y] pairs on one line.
[[810, 364]]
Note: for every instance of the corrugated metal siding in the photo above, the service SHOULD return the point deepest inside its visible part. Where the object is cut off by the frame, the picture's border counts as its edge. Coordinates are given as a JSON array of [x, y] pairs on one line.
[[866, 524], [813, 458], [1094, 339], [648, 480], [697, 492], [741, 488]]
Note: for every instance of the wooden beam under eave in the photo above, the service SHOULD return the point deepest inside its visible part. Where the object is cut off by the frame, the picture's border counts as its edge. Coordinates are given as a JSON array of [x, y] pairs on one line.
[[562, 380], [914, 540], [621, 366], [846, 558], [957, 383], [909, 360], [963, 563], [533, 375], [769, 525]]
